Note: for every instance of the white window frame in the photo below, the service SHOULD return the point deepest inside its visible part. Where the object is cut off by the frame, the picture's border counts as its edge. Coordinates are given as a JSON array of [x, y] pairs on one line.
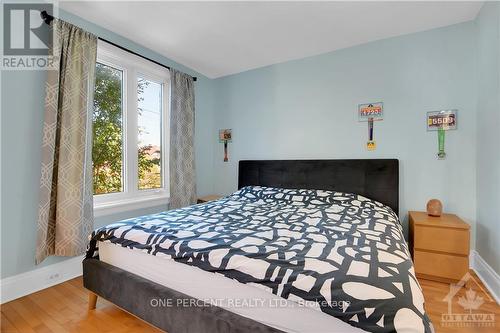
[[132, 197]]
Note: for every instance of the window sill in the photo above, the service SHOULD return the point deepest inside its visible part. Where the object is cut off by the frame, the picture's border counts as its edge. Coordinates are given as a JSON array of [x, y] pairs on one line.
[[126, 205]]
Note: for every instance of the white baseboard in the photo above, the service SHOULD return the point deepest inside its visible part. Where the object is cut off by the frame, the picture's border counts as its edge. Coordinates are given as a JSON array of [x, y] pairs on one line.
[[24, 284], [488, 276]]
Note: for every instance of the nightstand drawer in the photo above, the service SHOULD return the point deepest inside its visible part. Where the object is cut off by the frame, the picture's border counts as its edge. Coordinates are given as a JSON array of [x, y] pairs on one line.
[[440, 265], [442, 239]]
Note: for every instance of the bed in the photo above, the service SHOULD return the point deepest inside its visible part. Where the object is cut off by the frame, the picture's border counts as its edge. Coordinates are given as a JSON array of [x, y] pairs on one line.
[[302, 246]]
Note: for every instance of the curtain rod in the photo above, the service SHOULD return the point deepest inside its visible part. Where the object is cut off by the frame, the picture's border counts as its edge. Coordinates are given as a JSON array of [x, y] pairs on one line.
[[47, 18]]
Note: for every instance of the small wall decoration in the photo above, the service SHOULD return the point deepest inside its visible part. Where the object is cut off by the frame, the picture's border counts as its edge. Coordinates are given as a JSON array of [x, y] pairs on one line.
[[371, 112], [445, 119], [371, 144], [225, 136], [442, 121]]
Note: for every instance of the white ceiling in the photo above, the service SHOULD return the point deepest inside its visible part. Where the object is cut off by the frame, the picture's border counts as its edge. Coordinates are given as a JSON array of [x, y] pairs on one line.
[[222, 38]]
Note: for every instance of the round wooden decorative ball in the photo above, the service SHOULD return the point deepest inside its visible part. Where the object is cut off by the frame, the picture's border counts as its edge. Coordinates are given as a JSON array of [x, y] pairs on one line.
[[434, 207]]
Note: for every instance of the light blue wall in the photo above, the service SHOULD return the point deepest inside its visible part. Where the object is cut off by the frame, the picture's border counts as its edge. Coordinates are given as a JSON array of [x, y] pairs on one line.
[[21, 132], [488, 126], [307, 109]]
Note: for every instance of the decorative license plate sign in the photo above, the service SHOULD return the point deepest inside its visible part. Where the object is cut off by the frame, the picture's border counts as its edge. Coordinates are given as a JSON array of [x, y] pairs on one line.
[[374, 111], [445, 119], [225, 136], [371, 112]]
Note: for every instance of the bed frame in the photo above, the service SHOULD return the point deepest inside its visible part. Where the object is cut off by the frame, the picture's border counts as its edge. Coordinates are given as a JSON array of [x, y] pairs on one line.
[[376, 179]]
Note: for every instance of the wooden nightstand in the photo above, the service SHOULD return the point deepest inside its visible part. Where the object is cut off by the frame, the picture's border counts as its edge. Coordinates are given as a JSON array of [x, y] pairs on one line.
[[439, 246], [208, 198]]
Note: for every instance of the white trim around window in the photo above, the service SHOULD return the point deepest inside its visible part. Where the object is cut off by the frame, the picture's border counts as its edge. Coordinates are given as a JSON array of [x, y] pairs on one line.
[[132, 198]]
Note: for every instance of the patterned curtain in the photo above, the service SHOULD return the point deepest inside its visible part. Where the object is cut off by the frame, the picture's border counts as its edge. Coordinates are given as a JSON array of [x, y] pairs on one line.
[[182, 170], [65, 217]]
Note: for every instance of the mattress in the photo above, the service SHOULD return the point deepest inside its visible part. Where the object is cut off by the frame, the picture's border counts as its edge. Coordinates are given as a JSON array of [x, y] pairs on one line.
[[242, 299], [338, 253]]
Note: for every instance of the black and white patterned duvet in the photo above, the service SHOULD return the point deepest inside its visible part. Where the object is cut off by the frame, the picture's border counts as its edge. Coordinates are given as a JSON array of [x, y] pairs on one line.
[[327, 248]]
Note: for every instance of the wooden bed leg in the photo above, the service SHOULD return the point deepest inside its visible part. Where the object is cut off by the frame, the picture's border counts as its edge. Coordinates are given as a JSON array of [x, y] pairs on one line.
[[92, 300]]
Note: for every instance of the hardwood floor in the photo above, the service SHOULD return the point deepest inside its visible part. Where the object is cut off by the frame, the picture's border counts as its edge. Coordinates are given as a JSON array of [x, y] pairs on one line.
[[435, 306], [63, 308]]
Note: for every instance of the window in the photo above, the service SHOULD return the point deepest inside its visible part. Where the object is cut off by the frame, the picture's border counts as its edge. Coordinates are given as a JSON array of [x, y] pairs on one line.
[[107, 150], [130, 132], [149, 128]]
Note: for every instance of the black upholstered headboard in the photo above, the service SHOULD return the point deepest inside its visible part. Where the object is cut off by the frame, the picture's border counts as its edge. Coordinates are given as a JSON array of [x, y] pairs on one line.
[[377, 179]]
